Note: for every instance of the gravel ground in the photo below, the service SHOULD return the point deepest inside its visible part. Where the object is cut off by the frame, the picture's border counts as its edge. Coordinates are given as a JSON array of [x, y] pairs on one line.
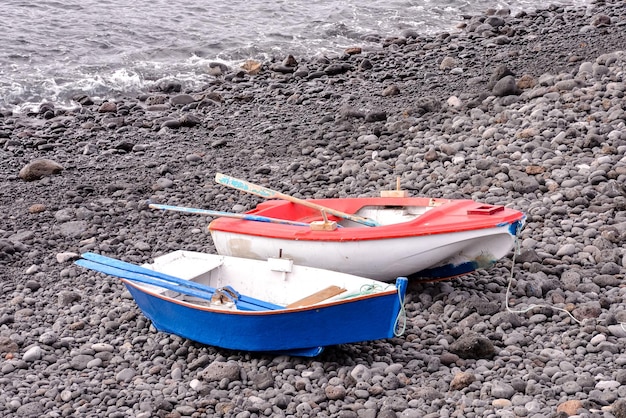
[[524, 110]]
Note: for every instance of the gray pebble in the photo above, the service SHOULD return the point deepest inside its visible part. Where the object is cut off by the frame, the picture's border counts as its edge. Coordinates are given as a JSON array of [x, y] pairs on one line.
[[33, 354], [544, 134]]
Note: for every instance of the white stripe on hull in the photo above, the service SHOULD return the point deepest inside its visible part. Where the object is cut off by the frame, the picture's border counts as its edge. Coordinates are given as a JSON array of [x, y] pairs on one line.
[[383, 259]]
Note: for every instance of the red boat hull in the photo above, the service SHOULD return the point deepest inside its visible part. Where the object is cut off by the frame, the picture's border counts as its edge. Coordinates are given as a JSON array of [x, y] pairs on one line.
[[434, 238]]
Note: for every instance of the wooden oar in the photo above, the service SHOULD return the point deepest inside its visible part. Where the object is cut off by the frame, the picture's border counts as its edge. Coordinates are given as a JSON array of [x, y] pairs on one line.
[[140, 278], [248, 187], [215, 213], [141, 274]]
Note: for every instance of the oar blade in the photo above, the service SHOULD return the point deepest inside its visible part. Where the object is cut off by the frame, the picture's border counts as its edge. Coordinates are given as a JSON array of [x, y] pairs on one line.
[[248, 187], [141, 278], [123, 265], [141, 274]]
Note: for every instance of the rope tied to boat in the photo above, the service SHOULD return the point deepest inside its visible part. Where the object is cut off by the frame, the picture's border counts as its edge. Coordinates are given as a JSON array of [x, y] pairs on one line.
[[401, 320], [399, 326], [368, 289], [533, 305]]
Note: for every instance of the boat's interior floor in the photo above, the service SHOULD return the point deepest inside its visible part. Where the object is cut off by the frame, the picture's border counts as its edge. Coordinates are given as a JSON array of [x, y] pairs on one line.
[[388, 215], [277, 281]]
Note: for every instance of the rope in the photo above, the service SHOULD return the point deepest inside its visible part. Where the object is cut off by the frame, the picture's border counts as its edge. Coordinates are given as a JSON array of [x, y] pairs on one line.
[[398, 330], [534, 305], [368, 289], [401, 316]]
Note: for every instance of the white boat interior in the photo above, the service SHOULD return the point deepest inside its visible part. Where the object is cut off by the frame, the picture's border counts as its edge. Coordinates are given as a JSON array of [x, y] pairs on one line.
[[277, 280], [387, 215]]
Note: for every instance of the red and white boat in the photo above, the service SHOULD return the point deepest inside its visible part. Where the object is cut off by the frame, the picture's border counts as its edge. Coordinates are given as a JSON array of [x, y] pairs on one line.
[[423, 238]]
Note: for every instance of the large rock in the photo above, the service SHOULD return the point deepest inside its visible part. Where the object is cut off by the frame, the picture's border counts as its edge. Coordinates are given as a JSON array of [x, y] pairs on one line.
[[39, 168], [505, 87], [473, 346], [7, 345], [219, 370]]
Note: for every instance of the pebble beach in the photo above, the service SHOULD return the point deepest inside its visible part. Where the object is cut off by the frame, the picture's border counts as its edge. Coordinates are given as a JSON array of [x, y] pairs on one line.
[[525, 110]]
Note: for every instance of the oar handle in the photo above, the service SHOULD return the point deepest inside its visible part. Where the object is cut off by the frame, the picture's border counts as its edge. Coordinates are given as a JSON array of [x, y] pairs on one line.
[[215, 213], [134, 268], [141, 278], [98, 260], [156, 281], [264, 192]]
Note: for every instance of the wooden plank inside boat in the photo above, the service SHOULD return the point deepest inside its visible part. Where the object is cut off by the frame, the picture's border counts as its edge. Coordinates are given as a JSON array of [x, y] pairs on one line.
[[316, 297]]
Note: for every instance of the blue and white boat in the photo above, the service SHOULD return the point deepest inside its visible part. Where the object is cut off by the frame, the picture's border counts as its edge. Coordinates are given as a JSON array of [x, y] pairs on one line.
[[252, 305]]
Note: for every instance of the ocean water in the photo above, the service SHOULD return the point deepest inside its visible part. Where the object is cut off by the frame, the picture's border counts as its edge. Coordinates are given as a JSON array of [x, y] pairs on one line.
[[52, 50]]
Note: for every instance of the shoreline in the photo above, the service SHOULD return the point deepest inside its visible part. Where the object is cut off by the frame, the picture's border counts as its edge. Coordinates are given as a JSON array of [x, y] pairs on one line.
[[67, 102], [522, 110]]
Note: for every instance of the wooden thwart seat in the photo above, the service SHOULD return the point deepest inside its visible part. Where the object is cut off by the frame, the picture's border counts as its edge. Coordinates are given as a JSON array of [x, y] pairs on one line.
[[316, 297]]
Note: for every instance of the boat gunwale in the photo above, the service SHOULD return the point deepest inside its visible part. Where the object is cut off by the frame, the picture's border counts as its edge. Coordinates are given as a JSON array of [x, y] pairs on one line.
[[417, 227], [316, 306], [247, 228]]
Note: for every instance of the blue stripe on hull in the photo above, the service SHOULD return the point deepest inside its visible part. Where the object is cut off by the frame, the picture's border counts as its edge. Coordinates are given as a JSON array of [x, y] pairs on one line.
[[372, 318], [447, 271]]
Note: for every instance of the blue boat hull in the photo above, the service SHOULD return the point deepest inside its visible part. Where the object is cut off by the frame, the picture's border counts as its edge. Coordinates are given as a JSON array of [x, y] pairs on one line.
[[301, 331]]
